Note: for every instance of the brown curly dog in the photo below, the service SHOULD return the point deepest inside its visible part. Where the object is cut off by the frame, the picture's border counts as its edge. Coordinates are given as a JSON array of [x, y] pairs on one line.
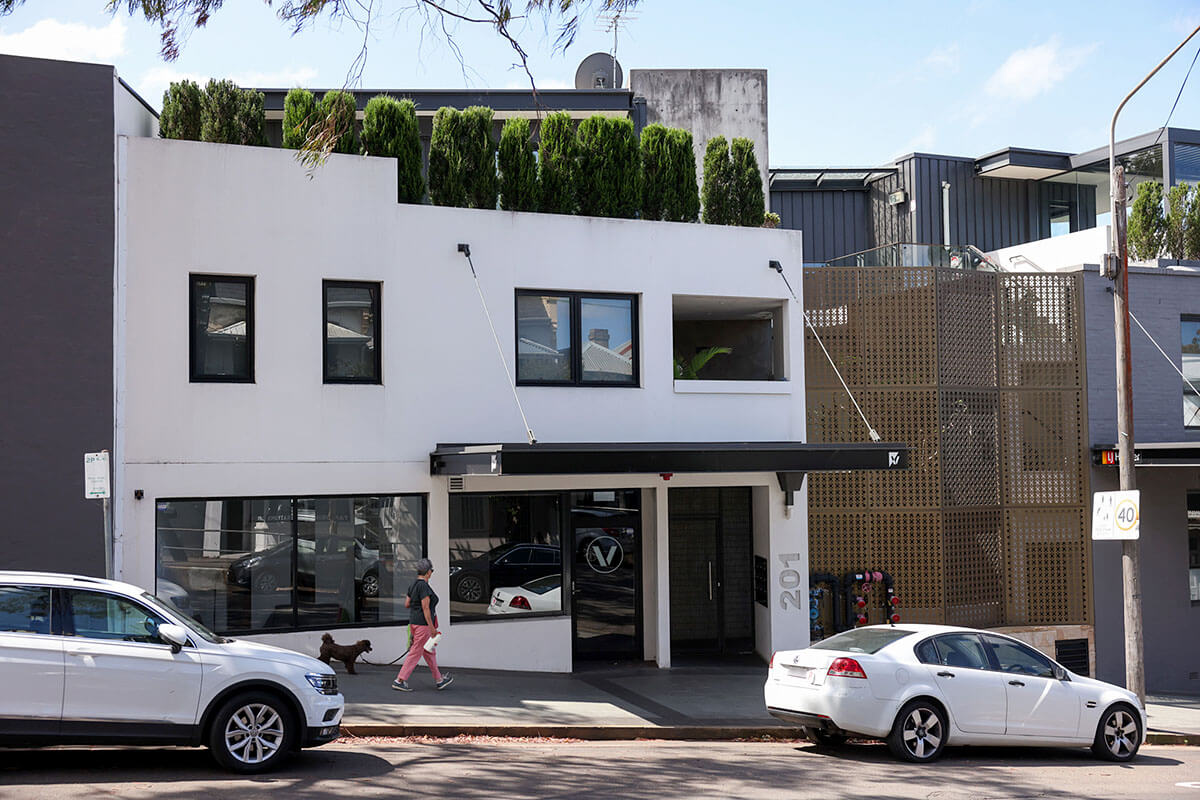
[[345, 653]]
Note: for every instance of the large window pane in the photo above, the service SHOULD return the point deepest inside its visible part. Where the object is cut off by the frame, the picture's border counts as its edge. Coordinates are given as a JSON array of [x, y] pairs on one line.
[[1186, 163], [505, 555], [1193, 499], [606, 325], [222, 328], [229, 560], [1189, 335], [352, 352], [543, 338], [248, 565]]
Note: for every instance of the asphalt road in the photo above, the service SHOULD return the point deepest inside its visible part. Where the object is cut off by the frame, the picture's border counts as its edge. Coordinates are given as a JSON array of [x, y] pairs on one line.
[[636, 770]]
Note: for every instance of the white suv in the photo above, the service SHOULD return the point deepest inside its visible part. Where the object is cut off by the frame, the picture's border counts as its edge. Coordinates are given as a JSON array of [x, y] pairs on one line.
[[95, 661]]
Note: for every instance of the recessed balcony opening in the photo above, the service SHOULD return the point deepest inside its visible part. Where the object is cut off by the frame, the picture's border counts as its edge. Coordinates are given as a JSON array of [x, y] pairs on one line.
[[728, 338]]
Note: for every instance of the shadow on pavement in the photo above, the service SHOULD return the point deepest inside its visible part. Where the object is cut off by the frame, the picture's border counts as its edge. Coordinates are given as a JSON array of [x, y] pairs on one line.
[[68, 765], [1034, 757]]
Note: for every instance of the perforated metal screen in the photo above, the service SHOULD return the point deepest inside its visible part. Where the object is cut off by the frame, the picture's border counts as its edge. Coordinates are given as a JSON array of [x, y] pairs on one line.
[[982, 375]]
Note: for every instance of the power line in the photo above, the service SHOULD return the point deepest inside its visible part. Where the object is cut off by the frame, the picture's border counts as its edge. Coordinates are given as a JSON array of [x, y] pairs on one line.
[[1176, 103]]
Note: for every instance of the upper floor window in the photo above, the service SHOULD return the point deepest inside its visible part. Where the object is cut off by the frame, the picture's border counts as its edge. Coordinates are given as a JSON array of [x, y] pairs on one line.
[[221, 321], [351, 332], [1189, 334], [571, 338], [728, 338]]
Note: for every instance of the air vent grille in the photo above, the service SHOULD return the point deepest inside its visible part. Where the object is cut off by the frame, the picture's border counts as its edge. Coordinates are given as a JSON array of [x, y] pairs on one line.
[[1072, 654], [457, 483]]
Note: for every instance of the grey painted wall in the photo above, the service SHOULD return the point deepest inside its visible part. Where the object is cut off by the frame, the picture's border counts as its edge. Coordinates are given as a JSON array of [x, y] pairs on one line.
[[708, 102], [56, 226], [1171, 624]]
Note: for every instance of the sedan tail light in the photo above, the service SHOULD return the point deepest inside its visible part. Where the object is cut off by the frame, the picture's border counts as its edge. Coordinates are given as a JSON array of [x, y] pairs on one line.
[[519, 602], [772, 664], [846, 668]]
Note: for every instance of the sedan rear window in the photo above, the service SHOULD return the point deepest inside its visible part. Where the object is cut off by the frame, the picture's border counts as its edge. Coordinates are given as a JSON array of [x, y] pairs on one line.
[[863, 640]]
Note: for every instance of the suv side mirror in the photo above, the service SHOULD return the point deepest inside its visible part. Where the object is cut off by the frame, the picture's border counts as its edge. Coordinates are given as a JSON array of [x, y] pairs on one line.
[[173, 635], [1061, 673]]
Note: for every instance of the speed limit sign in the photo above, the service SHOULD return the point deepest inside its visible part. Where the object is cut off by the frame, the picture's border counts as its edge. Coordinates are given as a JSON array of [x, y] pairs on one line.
[[1116, 515]]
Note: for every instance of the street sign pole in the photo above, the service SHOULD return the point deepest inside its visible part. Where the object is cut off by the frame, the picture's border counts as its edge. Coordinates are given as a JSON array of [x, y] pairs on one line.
[[97, 486], [108, 538]]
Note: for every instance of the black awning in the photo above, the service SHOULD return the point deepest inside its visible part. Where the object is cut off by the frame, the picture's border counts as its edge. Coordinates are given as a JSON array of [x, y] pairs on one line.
[[593, 458]]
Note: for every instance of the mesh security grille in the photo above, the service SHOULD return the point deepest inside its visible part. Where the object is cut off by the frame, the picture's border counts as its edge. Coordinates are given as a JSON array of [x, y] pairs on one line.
[[982, 375]]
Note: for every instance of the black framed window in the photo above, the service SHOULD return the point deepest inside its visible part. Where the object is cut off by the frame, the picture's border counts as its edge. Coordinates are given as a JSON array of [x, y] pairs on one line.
[[251, 565], [221, 323], [576, 339], [351, 333], [1189, 345]]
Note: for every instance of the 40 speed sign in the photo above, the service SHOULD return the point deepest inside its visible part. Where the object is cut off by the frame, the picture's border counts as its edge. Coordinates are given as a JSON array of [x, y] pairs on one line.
[[1115, 515]]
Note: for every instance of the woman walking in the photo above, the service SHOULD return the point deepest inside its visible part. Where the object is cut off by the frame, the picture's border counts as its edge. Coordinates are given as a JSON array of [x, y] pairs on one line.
[[421, 603]]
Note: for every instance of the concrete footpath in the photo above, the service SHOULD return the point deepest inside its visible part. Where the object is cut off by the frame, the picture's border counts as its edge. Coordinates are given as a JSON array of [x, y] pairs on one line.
[[714, 702]]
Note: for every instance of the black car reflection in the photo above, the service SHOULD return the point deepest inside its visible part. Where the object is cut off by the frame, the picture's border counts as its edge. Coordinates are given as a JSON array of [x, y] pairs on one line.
[[268, 570], [471, 580]]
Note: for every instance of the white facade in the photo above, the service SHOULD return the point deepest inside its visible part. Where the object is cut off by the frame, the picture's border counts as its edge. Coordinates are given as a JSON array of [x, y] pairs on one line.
[[188, 207]]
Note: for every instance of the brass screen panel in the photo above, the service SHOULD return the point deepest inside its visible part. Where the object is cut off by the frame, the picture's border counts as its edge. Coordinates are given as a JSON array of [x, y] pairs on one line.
[[1040, 330], [899, 326], [966, 316], [1043, 450], [970, 449], [839, 542], [832, 418], [973, 564], [831, 301], [908, 544], [1048, 573], [911, 416]]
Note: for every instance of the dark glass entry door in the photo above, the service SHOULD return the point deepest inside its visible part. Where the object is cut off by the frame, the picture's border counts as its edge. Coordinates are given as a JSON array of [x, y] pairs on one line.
[[711, 571], [606, 574]]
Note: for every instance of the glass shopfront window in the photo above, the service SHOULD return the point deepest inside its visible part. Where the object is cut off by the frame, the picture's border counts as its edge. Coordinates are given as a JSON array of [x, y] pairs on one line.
[[505, 555], [1193, 501], [250, 565]]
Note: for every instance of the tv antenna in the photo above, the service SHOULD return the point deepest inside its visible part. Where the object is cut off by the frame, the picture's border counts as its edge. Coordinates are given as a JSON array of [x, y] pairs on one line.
[[613, 23]]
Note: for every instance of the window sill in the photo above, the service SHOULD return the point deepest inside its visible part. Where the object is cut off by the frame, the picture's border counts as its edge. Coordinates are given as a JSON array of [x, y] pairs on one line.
[[733, 387]]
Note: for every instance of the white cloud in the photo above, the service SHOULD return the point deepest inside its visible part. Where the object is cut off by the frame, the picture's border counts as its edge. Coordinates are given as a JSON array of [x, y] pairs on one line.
[[156, 80], [1185, 23], [1035, 70], [944, 59], [921, 142], [70, 41]]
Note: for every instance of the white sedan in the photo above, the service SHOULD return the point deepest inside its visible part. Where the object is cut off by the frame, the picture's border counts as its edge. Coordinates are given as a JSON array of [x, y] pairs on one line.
[[540, 594], [922, 687]]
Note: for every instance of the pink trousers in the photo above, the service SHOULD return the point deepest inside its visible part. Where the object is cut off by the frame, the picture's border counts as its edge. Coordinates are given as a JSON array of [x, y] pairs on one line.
[[420, 636]]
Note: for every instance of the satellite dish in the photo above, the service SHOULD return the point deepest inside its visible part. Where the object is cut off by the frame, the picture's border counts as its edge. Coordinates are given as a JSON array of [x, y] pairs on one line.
[[599, 71]]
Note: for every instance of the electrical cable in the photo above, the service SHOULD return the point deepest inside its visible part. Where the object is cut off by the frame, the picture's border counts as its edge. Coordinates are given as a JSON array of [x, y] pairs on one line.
[[465, 249], [1176, 103], [775, 265]]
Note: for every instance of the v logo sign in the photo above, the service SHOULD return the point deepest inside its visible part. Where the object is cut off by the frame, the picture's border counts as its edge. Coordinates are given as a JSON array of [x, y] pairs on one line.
[[604, 559], [604, 555]]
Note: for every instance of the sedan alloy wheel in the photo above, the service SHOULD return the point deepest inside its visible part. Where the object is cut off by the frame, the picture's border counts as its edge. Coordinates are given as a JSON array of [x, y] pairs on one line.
[[1119, 735], [919, 733]]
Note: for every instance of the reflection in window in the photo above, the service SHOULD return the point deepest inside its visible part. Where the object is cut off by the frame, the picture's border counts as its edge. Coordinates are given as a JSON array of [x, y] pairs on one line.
[[222, 328], [570, 338], [607, 327], [543, 338], [24, 609], [505, 555], [249, 565], [1194, 547], [961, 650], [352, 351], [1189, 335], [94, 615], [1017, 658], [1185, 166]]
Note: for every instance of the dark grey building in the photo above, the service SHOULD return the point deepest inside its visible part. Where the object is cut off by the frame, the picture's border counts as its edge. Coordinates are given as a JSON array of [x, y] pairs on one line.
[[1009, 197], [1167, 446], [59, 135]]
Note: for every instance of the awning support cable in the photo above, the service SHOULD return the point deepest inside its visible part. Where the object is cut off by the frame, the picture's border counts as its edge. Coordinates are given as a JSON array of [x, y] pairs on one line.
[[775, 265], [1170, 361], [465, 249]]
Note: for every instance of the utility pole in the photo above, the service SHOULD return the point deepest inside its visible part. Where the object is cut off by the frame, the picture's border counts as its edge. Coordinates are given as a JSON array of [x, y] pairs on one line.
[[1117, 267]]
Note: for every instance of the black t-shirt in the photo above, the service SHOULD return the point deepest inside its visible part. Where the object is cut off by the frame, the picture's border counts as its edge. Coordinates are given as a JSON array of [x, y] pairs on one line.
[[418, 591]]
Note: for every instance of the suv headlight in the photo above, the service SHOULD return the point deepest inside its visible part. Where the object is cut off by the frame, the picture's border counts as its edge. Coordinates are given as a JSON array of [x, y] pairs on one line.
[[325, 684]]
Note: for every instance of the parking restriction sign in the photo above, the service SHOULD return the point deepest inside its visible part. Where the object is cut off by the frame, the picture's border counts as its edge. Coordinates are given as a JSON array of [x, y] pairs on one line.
[[1116, 515]]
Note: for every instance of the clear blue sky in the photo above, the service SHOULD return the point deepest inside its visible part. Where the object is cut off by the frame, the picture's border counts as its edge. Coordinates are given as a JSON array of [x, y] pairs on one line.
[[849, 83]]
